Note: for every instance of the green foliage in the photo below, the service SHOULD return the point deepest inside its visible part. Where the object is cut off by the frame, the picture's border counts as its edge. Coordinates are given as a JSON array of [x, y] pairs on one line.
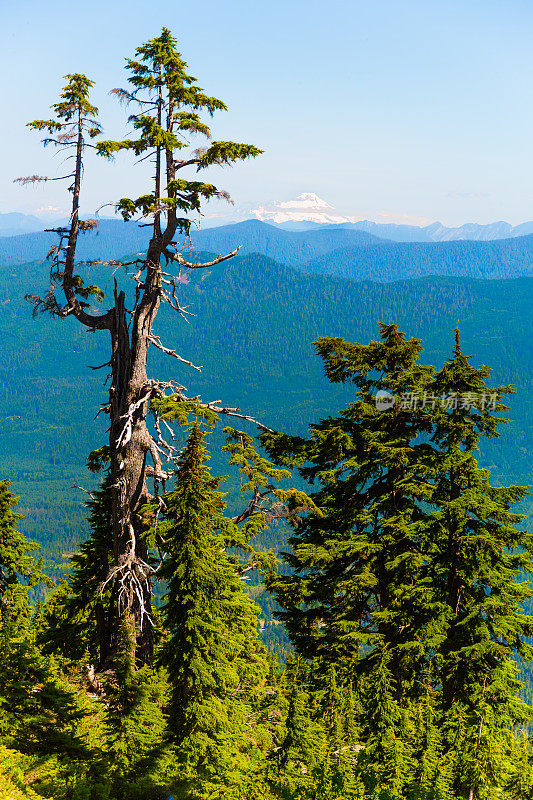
[[409, 577], [78, 614], [227, 153], [304, 749], [353, 580], [478, 554], [212, 657], [169, 99], [519, 784], [39, 711], [74, 103], [134, 721], [77, 121], [386, 759], [429, 714], [16, 563]]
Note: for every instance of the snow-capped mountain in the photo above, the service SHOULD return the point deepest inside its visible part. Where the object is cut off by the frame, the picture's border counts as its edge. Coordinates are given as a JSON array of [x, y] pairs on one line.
[[307, 207], [308, 210]]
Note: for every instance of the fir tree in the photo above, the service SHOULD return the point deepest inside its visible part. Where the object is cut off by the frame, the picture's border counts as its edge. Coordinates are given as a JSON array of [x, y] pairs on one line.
[[519, 784], [303, 757], [39, 711], [135, 725], [355, 565], [385, 763], [416, 555], [16, 562], [432, 773], [78, 616], [212, 656], [478, 559]]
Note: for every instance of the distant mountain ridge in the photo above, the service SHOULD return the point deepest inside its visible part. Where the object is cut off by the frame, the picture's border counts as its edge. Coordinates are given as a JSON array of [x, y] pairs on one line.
[[393, 261], [310, 212], [14, 223], [114, 237], [336, 250], [436, 232]]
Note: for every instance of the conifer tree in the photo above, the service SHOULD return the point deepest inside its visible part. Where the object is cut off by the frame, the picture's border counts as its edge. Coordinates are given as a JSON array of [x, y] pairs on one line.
[[519, 784], [212, 656], [169, 102], [410, 574], [386, 762], [476, 571], [16, 562], [303, 757], [135, 724], [38, 713], [341, 719], [355, 565], [432, 773], [78, 616]]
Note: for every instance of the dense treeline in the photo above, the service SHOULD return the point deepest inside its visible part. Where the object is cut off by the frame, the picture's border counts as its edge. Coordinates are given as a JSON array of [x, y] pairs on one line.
[[403, 600], [501, 258]]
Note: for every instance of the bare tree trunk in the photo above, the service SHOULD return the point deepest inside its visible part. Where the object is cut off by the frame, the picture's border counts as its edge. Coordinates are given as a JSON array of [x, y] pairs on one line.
[[130, 441]]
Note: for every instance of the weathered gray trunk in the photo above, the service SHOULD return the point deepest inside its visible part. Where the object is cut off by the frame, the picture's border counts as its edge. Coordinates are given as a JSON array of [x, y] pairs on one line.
[[129, 447]]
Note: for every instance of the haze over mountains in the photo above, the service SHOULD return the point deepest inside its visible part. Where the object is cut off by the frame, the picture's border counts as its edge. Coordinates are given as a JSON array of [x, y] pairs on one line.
[[308, 211], [14, 223], [336, 250]]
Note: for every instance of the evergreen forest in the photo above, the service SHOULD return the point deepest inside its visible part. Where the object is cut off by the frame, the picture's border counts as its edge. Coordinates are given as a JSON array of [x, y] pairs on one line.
[[266, 532]]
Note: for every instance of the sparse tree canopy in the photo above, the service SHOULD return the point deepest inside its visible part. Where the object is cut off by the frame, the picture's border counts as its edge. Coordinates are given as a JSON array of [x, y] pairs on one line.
[[168, 104]]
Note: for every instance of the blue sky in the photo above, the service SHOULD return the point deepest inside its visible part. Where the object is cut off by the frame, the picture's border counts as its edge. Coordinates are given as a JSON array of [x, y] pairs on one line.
[[385, 107]]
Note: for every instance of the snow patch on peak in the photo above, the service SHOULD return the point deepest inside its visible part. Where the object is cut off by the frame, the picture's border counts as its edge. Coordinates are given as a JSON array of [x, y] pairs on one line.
[[306, 200], [307, 207]]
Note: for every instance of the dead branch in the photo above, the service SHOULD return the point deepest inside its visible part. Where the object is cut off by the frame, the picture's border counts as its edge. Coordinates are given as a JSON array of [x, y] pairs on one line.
[[38, 178], [199, 265], [156, 341], [81, 489], [235, 412], [128, 417], [171, 452]]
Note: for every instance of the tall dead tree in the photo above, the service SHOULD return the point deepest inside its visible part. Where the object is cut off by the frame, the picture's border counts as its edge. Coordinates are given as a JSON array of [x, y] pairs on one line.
[[168, 102]]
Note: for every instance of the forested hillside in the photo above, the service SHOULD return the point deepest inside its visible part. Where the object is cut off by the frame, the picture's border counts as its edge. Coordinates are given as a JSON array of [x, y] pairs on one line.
[[503, 258], [114, 236], [327, 250], [255, 324]]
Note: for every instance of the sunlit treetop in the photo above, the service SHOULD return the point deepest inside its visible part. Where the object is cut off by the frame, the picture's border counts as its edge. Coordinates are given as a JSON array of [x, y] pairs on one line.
[[169, 101]]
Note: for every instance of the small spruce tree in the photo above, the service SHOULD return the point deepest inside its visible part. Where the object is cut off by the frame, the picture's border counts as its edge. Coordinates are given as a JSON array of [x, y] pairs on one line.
[[212, 656]]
